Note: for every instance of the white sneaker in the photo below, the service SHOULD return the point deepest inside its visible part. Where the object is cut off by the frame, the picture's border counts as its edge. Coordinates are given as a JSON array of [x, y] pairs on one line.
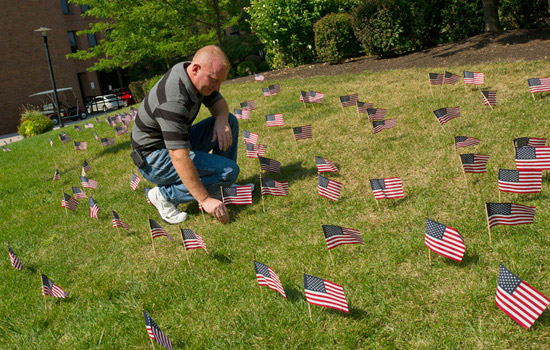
[[168, 211]]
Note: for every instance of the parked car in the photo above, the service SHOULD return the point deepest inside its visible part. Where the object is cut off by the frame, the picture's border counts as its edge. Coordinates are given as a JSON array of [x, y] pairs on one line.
[[104, 103], [69, 105], [127, 98]]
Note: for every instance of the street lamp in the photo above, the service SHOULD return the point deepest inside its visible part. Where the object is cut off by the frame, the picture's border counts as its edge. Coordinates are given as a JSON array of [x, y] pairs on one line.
[[44, 32]]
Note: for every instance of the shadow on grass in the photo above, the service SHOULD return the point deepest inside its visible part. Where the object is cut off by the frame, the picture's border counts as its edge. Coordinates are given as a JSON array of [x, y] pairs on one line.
[[221, 258], [293, 295], [123, 146], [544, 319], [354, 313], [468, 260]]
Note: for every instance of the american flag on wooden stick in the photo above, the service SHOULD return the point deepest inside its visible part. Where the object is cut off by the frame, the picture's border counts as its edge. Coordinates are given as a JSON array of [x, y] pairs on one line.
[[274, 188], [444, 240], [5, 149], [329, 188], [254, 150], [258, 77], [96, 137], [146, 190], [443, 115], [242, 113], [325, 293], [337, 235], [107, 141], [538, 84], [98, 121], [117, 222], [302, 132], [388, 188], [270, 165], [156, 333], [51, 289], [311, 97], [376, 113], [250, 105], [450, 78], [274, 120], [88, 183], [533, 158], [529, 142], [85, 167], [349, 100], [15, 262], [465, 141], [275, 88], [436, 78], [191, 240], [94, 209], [88, 125], [473, 78], [78, 193], [68, 202], [78, 128], [122, 129], [80, 146], [237, 194], [56, 175], [267, 93], [64, 137], [509, 214], [325, 166], [517, 299], [157, 230], [474, 163], [134, 182], [267, 277], [516, 181], [362, 107], [51, 141], [379, 125], [250, 137], [489, 98]]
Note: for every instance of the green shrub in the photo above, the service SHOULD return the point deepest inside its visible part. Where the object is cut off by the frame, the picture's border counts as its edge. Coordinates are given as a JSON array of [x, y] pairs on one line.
[[246, 68], [461, 19], [237, 48], [136, 87], [33, 122], [334, 38], [151, 82], [524, 13]]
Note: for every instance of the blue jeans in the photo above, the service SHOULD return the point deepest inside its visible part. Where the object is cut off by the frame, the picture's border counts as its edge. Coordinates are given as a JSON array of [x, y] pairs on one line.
[[215, 169]]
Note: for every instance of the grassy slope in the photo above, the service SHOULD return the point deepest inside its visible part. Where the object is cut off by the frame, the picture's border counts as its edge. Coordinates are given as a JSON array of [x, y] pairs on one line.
[[396, 299]]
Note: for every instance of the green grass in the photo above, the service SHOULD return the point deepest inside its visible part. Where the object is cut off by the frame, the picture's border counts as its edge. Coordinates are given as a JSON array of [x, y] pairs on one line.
[[396, 299]]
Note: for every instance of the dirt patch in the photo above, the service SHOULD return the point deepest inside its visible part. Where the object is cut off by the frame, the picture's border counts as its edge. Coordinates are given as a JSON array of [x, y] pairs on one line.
[[513, 45]]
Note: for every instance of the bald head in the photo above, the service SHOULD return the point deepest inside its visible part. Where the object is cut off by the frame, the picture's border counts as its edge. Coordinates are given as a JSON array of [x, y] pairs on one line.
[[211, 56], [208, 69]]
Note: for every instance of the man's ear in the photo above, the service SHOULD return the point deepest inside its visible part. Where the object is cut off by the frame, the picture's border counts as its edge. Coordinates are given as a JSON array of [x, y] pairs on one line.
[[195, 68]]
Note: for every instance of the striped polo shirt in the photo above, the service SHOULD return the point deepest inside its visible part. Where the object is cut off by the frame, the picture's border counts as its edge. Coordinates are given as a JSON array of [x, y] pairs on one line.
[[166, 113]]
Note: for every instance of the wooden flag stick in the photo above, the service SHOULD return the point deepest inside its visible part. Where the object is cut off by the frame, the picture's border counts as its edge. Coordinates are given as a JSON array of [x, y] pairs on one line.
[[430, 256], [499, 196], [489, 103], [152, 343], [532, 94], [331, 259], [152, 240], [430, 83], [202, 211], [441, 127], [63, 196], [309, 309], [262, 191], [221, 192], [488, 226], [184, 249], [43, 295]]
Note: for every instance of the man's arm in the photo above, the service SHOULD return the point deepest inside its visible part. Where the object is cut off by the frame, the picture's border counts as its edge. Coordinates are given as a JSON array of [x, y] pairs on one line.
[[190, 178], [222, 131]]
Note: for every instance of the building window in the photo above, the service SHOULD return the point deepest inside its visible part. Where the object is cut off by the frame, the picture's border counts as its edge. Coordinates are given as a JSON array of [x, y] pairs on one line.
[[72, 41], [84, 8], [92, 41], [65, 7]]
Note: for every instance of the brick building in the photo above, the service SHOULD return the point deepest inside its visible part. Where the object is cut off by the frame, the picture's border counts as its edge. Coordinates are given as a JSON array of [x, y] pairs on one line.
[[23, 65]]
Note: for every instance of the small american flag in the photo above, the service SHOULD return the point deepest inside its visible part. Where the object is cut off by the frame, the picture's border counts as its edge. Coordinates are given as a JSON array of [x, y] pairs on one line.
[[267, 93], [325, 166], [517, 299], [107, 141], [270, 165], [94, 209], [302, 132], [450, 78], [274, 188], [509, 214], [117, 222], [473, 78], [250, 105], [64, 137], [254, 150], [156, 333], [267, 277], [158, 231], [78, 128], [146, 190], [376, 113], [134, 182], [349, 100], [15, 262], [96, 137], [539, 84], [275, 88], [444, 240], [85, 167], [5, 149], [80, 146], [237, 194], [122, 129], [329, 188], [56, 176], [126, 119], [443, 115], [78, 193], [533, 158], [519, 181], [474, 163], [489, 98], [51, 141], [529, 142], [88, 125], [88, 183], [258, 77], [324, 293], [436, 78], [191, 240], [250, 137], [312, 97], [110, 121], [98, 121], [116, 119], [241, 113], [50, 288], [68, 202], [336, 235], [362, 107], [387, 188], [274, 120], [464, 141], [379, 125]]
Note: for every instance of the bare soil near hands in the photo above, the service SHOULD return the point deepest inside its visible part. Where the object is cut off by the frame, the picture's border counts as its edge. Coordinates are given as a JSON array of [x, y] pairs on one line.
[[512, 45]]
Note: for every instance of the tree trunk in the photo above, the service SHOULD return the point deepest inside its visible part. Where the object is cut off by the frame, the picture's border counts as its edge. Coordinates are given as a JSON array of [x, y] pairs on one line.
[[490, 15], [216, 7]]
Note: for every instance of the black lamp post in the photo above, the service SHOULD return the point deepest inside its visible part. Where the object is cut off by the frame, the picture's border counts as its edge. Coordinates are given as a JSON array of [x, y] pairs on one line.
[[44, 32]]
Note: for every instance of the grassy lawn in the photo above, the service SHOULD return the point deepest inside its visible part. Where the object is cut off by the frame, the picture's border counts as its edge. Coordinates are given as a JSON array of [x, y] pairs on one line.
[[396, 299]]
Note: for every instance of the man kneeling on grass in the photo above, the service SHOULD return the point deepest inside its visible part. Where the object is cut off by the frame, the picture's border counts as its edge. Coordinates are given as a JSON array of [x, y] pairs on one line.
[[174, 154]]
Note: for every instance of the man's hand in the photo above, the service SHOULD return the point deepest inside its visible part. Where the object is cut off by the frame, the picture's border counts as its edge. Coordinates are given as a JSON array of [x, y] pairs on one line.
[[222, 133], [216, 208]]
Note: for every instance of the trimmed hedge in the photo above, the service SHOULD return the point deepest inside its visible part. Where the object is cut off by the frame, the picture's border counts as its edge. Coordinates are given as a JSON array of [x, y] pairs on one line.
[[246, 68], [334, 38], [33, 122]]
